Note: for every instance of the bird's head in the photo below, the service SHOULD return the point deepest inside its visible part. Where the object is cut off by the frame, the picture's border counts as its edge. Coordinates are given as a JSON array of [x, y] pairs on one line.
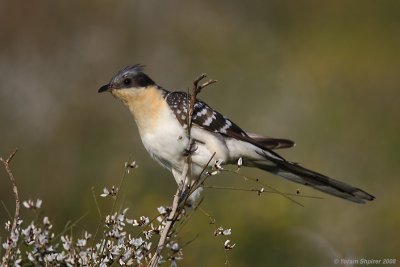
[[127, 82]]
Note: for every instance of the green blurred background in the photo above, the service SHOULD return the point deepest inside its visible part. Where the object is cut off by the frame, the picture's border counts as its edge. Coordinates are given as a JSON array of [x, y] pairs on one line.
[[323, 73]]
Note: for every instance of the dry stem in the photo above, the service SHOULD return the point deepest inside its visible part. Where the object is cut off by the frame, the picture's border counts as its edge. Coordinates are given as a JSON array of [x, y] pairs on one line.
[[6, 163], [172, 217]]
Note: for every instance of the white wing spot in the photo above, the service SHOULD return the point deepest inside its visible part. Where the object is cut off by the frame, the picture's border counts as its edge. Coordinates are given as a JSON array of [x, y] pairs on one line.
[[208, 121], [226, 126]]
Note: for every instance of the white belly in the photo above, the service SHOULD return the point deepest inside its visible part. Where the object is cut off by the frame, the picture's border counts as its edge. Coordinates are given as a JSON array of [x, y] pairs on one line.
[[208, 144], [166, 144]]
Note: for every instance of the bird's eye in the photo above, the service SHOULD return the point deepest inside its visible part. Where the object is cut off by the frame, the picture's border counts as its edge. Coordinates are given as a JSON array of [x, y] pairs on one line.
[[127, 81]]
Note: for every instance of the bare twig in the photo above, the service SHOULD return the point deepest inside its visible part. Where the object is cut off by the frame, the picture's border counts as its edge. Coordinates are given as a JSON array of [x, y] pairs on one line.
[[6, 210], [260, 191], [6, 163], [97, 204], [256, 180], [196, 89], [70, 226], [126, 171], [172, 217], [212, 220]]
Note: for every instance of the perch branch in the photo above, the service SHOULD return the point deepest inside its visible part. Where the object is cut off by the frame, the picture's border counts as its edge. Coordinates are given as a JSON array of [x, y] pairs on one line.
[[172, 218], [6, 163], [176, 207]]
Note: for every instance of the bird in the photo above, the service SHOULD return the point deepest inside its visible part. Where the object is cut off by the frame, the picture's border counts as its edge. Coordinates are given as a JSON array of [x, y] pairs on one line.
[[161, 119]]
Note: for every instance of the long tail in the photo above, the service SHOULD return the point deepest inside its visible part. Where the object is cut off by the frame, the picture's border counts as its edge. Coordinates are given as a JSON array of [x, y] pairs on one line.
[[273, 163]]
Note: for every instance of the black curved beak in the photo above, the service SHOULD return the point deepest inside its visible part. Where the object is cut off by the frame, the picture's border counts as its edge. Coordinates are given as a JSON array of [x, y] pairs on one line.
[[104, 88]]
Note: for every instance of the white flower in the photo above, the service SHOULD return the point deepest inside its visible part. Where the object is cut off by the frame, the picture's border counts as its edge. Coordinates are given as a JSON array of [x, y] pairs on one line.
[[66, 242], [46, 221], [38, 203], [8, 226], [30, 204], [42, 239], [132, 165], [175, 247], [162, 210], [7, 245], [50, 257], [81, 243], [218, 231], [121, 219], [61, 256], [115, 251], [142, 221], [217, 164], [17, 263], [136, 242], [126, 258], [148, 246], [31, 258], [240, 162], [148, 234], [227, 231], [27, 204], [222, 231], [104, 262], [228, 245], [105, 192], [87, 236], [14, 236], [260, 191]]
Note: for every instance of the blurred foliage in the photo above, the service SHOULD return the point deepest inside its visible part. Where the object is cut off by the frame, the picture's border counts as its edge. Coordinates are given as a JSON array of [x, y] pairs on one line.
[[323, 73]]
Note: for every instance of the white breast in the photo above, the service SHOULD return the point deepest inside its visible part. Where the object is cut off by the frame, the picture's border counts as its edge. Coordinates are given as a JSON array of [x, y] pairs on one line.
[[207, 144], [166, 141]]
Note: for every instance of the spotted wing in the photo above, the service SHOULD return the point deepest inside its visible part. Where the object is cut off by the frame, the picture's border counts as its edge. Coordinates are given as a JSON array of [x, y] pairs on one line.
[[203, 115], [206, 117]]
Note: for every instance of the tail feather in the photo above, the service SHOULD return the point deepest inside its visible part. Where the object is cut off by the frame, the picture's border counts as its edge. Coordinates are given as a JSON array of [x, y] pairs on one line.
[[299, 174], [271, 143]]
